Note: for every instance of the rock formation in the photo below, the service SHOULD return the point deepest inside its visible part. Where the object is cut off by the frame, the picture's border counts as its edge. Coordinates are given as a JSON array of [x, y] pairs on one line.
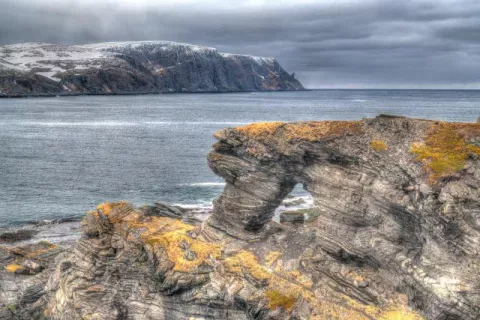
[[394, 233], [134, 67]]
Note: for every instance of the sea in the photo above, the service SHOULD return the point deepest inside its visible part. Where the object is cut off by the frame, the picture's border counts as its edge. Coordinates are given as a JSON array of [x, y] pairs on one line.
[[61, 156]]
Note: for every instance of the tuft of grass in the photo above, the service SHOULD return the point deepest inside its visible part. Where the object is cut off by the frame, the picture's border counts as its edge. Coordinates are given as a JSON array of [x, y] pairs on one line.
[[277, 299], [446, 150], [378, 145]]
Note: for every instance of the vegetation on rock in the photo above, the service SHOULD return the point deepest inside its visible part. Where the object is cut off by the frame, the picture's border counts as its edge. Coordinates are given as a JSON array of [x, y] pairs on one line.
[[446, 149], [308, 131], [378, 145], [277, 299], [13, 267]]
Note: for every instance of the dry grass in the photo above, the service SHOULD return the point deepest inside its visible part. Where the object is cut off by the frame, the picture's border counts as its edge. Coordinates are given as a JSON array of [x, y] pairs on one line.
[[378, 145], [446, 150], [308, 131]]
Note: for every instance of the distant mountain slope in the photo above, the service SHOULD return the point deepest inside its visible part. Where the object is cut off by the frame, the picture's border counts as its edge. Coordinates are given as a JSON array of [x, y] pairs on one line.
[[134, 67]]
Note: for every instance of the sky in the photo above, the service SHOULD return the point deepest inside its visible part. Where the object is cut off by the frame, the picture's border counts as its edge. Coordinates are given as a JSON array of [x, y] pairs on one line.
[[328, 44]]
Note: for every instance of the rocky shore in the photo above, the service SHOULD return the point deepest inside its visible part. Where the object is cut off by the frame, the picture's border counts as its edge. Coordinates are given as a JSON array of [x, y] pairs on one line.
[[43, 69], [393, 233]]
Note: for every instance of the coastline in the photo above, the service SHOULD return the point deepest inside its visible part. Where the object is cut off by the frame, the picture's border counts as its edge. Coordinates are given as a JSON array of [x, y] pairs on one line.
[[47, 95]]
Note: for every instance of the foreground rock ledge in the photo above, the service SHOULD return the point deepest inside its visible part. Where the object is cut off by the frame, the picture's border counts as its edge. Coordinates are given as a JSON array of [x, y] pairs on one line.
[[394, 233]]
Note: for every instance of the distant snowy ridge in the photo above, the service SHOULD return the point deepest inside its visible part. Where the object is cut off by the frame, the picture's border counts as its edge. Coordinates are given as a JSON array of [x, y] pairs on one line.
[[134, 67]]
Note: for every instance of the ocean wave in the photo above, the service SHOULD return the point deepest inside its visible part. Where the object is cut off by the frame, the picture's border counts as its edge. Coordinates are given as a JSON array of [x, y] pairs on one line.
[[359, 100]]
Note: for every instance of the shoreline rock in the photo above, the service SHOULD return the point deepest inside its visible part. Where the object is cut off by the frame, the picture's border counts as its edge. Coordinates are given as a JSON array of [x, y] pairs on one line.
[[393, 233]]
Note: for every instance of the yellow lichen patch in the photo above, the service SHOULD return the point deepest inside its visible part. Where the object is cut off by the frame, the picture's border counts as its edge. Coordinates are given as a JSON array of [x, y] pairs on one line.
[[13, 267], [399, 315], [260, 129], [271, 258], [316, 130], [309, 131], [107, 207], [277, 299], [298, 277], [446, 150], [40, 251], [172, 236], [378, 145], [247, 262]]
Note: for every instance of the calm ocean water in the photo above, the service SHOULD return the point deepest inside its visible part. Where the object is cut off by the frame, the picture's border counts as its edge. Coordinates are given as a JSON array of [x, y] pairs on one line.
[[62, 156]]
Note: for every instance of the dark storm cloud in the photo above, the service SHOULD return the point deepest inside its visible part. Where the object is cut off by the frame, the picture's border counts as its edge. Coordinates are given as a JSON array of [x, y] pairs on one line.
[[363, 43]]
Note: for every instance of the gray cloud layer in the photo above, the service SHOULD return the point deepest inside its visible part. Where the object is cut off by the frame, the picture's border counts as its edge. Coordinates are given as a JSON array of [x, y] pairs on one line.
[[362, 43]]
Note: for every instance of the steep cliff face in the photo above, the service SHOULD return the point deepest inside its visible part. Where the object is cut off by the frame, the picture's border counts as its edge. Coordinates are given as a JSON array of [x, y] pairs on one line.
[[397, 202], [134, 67], [394, 233]]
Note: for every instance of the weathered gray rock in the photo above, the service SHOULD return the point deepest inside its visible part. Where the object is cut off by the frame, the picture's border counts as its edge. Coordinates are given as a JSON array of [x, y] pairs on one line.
[[416, 228]]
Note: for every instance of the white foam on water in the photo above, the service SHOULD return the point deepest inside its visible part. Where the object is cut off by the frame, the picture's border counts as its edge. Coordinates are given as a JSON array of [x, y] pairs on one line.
[[207, 184], [359, 100]]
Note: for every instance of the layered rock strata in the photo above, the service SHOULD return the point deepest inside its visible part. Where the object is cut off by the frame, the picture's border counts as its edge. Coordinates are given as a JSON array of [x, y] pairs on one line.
[[394, 232]]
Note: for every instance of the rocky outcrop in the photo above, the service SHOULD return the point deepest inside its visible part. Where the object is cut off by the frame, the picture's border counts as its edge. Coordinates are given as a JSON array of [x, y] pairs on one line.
[[134, 67], [394, 232], [398, 202]]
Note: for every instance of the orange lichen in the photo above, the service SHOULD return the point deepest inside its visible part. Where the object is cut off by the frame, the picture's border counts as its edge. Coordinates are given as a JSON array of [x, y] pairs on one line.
[[13, 267], [277, 299], [309, 131], [172, 235], [378, 145], [260, 129], [107, 207], [446, 149]]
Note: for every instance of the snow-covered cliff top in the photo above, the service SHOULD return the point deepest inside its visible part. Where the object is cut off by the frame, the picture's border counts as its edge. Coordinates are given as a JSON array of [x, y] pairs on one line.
[[48, 59]]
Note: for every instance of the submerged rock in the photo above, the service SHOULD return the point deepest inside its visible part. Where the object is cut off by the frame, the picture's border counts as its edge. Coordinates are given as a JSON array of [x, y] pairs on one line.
[[394, 233], [17, 236], [292, 216]]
